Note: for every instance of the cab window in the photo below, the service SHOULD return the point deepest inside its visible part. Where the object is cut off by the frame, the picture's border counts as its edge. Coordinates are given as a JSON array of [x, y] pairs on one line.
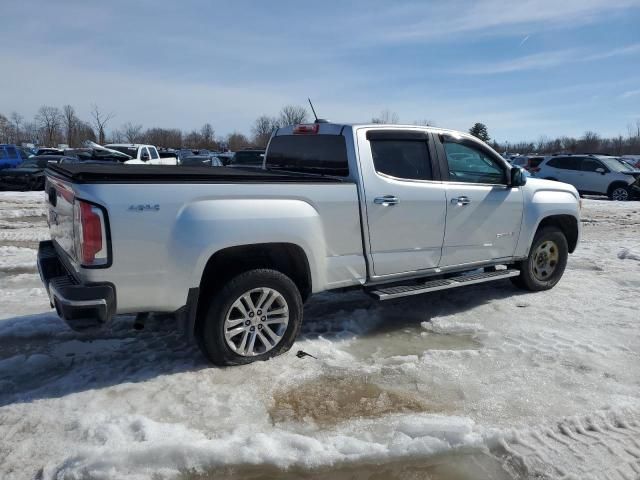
[[472, 165], [154, 153], [407, 159]]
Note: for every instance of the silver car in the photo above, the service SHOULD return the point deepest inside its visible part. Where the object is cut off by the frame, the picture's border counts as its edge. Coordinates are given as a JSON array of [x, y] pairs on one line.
[[593, 174]]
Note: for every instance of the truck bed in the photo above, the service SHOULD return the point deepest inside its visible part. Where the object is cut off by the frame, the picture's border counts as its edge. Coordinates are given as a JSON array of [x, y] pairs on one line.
[[119, 173]]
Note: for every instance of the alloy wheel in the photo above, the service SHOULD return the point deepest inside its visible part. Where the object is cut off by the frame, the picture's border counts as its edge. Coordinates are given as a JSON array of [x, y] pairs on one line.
[[256, 322]]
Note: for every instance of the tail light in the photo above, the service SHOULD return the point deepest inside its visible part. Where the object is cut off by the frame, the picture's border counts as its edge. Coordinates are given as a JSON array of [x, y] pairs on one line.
[[306, 128], [90, 234]]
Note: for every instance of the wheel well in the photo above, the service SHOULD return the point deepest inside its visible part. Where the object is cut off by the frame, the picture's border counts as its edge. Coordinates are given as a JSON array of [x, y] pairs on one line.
[[551, 178], [569, 226], [227, 263], [616, 184]]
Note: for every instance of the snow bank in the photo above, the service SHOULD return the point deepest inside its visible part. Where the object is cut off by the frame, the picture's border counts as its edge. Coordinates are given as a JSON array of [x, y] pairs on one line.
[[137, 447]]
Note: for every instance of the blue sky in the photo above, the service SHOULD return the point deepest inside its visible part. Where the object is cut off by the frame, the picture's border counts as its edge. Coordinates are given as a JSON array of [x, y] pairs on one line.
[[525, 68]]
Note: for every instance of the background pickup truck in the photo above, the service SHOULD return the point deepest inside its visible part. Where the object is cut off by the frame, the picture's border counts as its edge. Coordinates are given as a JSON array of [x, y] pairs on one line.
[[394, 210], [142, 154]]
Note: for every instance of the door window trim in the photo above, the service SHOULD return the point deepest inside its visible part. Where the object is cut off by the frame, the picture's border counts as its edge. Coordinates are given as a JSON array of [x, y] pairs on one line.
[[415, 135], [444, 163]]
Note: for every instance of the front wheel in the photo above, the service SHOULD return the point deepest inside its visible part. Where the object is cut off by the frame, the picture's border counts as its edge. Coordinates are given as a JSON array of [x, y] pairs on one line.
[[546, 262], [620, 194], [255, 316]]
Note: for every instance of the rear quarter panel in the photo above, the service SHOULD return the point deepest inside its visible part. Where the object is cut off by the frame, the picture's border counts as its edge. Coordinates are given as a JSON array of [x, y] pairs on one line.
[[159, 254]]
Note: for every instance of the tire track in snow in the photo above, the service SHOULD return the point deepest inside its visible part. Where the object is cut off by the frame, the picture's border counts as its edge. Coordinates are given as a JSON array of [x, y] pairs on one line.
[[605, 445]]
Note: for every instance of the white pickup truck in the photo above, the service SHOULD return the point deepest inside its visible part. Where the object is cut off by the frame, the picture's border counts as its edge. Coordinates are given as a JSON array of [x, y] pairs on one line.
[[393, 210], [142, 154]]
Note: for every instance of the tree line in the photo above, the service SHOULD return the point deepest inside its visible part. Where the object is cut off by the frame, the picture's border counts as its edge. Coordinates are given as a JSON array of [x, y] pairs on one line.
[[589, 142], [52, 126]]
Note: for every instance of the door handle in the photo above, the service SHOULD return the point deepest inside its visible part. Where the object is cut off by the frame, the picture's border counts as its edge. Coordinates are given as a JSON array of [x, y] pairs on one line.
[[464, 200], [386, 200]]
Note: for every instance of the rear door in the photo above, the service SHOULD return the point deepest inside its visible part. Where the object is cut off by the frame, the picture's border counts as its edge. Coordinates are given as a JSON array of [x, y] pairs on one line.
[[484, 213], [14, 158], [404, 200], [565, 169]]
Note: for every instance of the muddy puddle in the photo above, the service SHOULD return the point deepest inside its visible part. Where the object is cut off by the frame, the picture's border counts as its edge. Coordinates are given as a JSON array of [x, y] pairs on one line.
[[473, 465], [334, 398]]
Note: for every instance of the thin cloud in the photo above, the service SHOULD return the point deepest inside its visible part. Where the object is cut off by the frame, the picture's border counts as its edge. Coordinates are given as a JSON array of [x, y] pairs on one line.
[[616, 52], [630, 93], [538, 61], [495, 17], [529, 62]]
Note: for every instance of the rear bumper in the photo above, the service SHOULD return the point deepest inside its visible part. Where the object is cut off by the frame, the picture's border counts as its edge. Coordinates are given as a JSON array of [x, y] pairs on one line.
[[82, 306]]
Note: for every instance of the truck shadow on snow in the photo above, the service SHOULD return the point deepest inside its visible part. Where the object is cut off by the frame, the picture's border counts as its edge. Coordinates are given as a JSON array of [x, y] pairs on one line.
[[40, 357]]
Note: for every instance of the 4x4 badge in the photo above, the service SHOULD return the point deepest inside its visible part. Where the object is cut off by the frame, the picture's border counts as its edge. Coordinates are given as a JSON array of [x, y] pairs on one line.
[[141, 207]]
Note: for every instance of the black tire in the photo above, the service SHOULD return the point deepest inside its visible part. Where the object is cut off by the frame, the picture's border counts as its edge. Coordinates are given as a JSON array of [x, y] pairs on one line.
[[528, 280], [211, 334], [614, 192]]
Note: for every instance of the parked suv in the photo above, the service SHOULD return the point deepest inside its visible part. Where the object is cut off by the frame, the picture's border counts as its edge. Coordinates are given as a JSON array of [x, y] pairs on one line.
[[9, 156], [529, 163], [593, 174]]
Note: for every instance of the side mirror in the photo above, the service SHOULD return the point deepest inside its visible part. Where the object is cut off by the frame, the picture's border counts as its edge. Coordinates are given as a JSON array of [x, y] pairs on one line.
[[518, 177], [600, 170], [144, 157]]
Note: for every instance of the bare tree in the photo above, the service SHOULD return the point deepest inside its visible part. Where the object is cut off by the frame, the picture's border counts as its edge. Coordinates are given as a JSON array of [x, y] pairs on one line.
[[83, 131], [49, 119], [133, 133], [100, 120], [17, 120], [292, 115], [69, 121], [237, 141], [589, 143], [386, 117], [163, 137], [262, 129], [5, 129], [207, 136], [425, 123]]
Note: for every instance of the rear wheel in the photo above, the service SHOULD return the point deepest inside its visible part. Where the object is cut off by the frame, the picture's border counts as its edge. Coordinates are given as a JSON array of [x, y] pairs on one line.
[[546, 262], [255, 316]]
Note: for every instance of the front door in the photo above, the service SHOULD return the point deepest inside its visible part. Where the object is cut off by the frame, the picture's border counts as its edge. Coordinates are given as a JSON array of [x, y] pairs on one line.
[[484, 214], [592, 179], [404, 200]]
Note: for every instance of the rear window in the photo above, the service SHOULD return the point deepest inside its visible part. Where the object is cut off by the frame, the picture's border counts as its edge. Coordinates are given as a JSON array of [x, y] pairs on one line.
[[325, 154], [535, 161], [248, 158], [3, 154], [131, 151], [12, 152], [565, 163]]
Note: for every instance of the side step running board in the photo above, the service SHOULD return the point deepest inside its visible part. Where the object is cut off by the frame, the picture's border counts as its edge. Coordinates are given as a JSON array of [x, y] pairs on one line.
[[397, 291]]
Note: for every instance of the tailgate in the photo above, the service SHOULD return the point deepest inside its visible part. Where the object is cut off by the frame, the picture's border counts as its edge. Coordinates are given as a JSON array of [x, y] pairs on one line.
[[59, 197]]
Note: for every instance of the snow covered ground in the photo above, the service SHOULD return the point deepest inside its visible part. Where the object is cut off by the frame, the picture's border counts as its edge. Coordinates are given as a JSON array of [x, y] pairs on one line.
[[482, 382]]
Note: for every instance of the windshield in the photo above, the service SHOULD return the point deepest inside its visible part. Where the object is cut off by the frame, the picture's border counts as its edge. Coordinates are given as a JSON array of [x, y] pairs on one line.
[[616, 164]]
